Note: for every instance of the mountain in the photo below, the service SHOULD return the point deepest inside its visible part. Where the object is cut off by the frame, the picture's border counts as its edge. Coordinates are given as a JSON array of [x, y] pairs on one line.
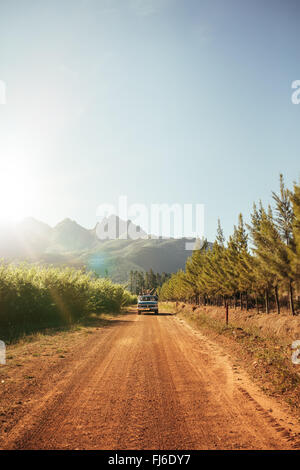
[[34, 234], [68, 243], [68, 236], [118, 228]]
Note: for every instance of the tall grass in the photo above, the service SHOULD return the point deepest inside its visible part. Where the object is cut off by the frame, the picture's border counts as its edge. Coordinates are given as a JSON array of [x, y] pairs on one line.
[[32, 298]]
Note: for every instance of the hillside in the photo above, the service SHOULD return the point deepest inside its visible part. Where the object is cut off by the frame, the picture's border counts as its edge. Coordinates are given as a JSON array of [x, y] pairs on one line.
[[68, 243]]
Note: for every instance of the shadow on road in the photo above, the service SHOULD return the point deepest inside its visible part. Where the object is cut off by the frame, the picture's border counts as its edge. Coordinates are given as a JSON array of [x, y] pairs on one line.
[[102, 321], [160, 314], [11, 336]]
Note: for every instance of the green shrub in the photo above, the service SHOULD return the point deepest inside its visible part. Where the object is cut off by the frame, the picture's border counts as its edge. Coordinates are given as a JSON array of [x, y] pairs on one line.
[[128, 298], [33, 297]]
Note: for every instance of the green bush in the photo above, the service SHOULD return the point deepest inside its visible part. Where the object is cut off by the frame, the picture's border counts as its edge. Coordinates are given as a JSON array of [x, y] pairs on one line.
[[33, 297], [128, 298]]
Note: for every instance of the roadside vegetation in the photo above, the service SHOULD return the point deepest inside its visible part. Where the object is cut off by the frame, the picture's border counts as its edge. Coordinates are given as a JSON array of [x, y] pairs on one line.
[[33, 298], [266, 357], [257, 267], [145, 281]]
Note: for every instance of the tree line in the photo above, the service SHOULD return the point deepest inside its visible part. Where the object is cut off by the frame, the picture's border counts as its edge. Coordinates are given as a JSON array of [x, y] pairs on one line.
[[258, 266], [146, 281]]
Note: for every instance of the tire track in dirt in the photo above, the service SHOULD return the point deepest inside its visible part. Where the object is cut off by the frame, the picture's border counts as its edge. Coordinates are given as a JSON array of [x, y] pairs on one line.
[[244, 412], [150, 382], [153, 414], [40, 428]]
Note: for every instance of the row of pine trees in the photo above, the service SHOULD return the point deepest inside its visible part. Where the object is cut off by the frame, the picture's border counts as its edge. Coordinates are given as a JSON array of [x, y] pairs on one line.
[[259, 265], [146, 281]]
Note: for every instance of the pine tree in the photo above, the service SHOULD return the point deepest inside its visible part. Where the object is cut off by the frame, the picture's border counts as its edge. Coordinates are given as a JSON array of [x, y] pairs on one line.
[[271, 264], [284, 212], [230, 267], [131, 282], [284, 224], [241, 240], [294, 248], [265, 279], [194, 266]]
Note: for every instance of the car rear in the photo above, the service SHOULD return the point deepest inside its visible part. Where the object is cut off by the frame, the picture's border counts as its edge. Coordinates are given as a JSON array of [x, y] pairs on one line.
[[147, 303]]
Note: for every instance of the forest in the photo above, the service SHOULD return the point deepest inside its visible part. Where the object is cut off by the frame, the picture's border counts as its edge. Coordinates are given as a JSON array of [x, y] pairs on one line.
[[146, 281]]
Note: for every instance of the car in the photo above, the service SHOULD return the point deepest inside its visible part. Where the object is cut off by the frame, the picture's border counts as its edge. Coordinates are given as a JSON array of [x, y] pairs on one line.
[[147, 303]]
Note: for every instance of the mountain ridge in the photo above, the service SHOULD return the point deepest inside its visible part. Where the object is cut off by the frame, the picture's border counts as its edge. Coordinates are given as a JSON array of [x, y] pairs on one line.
[[69, 243]]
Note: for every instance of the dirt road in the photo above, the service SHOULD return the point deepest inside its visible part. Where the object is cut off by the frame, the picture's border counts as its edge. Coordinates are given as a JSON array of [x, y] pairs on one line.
[[149, 382]]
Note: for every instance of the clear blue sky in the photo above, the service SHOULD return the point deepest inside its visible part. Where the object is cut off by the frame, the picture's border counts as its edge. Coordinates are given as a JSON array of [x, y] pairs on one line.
[[103, 93]]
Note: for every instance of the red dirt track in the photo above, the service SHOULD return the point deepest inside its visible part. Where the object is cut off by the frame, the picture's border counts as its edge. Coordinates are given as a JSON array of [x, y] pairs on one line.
[[148, 382]]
